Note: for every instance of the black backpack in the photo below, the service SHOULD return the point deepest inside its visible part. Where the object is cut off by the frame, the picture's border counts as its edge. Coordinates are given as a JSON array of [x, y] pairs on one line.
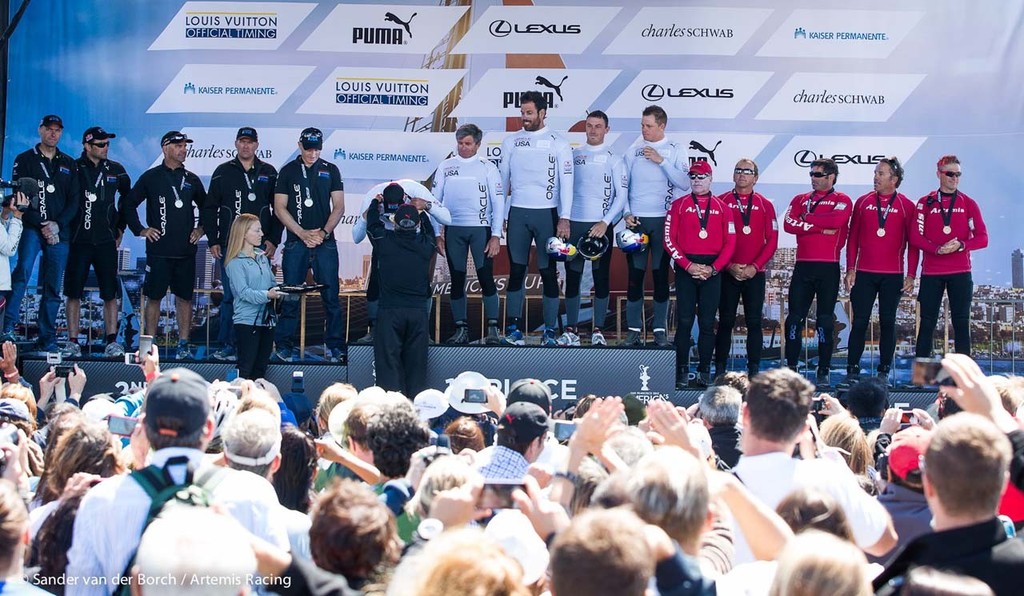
[[163, 492]]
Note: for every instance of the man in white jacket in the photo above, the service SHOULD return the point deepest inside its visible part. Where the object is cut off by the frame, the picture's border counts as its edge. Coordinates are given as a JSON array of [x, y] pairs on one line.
[[10, 235]]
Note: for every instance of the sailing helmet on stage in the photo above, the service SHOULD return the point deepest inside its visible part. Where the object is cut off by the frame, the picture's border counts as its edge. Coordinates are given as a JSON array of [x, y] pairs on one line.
[[559, 249], [630, 241], [592, 248]]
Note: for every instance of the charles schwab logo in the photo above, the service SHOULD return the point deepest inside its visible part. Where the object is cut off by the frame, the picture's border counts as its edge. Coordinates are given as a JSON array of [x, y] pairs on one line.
[[381, 92], [503, 28], [801, 33], [656, 92], [805, 157], [398, 34], [230, 25], [826, 97], [656, 31]]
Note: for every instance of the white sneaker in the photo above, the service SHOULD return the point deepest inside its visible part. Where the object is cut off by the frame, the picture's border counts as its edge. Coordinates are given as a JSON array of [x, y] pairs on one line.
[[569, 339], [114, 350], [597, 339]]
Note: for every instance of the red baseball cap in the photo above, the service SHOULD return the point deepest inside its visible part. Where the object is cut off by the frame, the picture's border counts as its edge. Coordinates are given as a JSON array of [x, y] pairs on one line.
[[906, 450], [700, 167]]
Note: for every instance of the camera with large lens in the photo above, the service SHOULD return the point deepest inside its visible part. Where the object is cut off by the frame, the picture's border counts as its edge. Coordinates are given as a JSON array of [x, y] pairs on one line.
[[30, 187]]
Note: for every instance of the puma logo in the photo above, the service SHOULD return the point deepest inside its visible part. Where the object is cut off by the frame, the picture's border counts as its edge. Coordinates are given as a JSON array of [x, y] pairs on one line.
[[389, 17], [557, 88], [709, 152]]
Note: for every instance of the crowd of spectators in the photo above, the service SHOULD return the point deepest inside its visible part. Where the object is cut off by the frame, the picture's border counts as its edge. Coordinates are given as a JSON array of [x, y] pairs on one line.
[[763, 486]]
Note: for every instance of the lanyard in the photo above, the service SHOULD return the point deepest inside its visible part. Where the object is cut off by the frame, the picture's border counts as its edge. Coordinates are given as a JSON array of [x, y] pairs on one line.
[[947, 216], [42, 164], [703, 219], [883, 216], [308, 185], [177, 199], [810, 207], [745, 213]]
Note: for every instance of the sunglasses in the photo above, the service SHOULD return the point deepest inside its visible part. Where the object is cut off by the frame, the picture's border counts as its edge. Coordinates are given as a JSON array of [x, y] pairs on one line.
[[100, 145], [698, 176], [818, 175], [747, 171], [952, 174]]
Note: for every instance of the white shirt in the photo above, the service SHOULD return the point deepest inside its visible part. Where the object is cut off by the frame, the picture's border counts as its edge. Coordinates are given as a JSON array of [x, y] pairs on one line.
[[772, 476], [110, 520], [651, 187], [471, 189], [536, 171], [596, 180]]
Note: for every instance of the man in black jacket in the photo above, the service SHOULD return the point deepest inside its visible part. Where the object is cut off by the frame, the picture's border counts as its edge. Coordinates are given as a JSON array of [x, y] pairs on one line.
[[403, 266], [720, 410], [969, 539]]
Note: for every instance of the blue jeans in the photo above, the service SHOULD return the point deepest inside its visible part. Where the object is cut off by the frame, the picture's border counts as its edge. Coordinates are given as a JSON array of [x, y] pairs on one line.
[[55, 258], [296, 260], [226, 335]]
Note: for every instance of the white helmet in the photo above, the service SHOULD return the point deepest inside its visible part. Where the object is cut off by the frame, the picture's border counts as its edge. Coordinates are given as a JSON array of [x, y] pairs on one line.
[[560, 250], [630, 241]]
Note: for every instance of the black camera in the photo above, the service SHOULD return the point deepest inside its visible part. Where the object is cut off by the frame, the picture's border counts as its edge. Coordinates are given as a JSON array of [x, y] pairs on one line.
[[30, 187]]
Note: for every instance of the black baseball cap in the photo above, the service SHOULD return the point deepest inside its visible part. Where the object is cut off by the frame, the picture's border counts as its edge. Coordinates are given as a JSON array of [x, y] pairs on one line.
[[312, 138], [173, 137], [177, 403], [527, 420], [407, 217], [96, 133], [533, 391], [247, 131], [51, 119]]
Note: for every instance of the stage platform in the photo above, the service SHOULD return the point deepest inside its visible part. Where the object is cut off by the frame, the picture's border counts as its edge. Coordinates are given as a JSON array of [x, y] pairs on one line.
[[571, 373]]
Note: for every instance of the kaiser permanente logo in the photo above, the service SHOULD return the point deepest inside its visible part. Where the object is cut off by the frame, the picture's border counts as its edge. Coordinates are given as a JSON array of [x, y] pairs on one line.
[[801, 33], [385, 92], [220, 88], [192, 89]]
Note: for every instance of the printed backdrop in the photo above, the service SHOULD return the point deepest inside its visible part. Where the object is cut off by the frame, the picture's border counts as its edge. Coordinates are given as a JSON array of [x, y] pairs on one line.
[[388, 83]]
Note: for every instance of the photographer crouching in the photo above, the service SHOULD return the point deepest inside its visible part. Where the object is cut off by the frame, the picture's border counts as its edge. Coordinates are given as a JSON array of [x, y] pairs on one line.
[[10, 234], [253, 285], [403, 266]]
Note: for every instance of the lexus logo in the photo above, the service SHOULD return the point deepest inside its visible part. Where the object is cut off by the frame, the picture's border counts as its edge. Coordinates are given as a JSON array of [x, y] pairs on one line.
[[805, 157], [500, 28], [655, 92]]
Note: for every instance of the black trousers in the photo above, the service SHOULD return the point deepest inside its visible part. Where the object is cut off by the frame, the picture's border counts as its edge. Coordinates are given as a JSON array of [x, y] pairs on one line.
[[400, 349], [959, 287], [887, 287], [812, 280], [254, 344], [698, 298], [751, 291]]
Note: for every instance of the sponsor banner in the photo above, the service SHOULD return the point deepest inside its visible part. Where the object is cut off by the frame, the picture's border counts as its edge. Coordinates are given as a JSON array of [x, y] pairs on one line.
[[571, 373], [214, 146], [721, 150], [812, 33], [117, 378], [536, 29], [698, 31], [568, 92], [855, 156], [232, 25], [840, 96], [387, 155], [230, 88], [690, 93], [352, 91], [491, 143], [384, 28]]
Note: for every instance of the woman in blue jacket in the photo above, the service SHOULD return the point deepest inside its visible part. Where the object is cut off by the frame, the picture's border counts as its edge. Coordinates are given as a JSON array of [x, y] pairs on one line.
[[252, 283]]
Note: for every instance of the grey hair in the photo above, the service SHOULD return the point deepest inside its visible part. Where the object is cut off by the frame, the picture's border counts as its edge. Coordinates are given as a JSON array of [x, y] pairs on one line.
[[669, 488], [630, 444], [252, 434], [470, 130], [720, 406]]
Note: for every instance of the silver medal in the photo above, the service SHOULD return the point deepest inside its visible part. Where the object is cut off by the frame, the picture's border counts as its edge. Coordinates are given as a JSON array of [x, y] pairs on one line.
[[947, 230], [252, 196], [746, 229], [881, 232], [179, 204], [91, 196], [51, 188], [308, 202], [703, 234]]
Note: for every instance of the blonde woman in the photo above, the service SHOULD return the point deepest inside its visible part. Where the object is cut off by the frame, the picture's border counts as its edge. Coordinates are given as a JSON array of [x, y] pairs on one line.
[[252, 283]]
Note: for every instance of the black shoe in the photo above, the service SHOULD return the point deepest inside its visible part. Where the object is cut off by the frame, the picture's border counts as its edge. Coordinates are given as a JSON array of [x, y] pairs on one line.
[[883, 374], [661, 339], [460, 337], [632, 340], [821, 378], [493, 336], [852, 378], [366, 339], [702, 380]]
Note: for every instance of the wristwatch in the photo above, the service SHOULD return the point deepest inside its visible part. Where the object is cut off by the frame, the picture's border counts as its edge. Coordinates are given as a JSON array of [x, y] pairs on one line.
[[326, 233]]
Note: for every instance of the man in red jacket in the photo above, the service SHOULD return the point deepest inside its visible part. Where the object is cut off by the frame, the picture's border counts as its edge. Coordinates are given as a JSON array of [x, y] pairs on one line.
[[820, 220], [757, 239], [879, 235], [948, 228], [700, 237]]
